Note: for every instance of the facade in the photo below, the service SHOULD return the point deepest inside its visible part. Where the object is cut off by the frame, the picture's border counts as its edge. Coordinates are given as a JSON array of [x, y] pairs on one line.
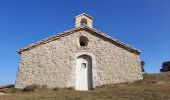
[[81, 57]]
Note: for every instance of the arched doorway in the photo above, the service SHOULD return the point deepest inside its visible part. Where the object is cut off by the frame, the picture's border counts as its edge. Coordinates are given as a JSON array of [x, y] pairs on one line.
[[84, 73]]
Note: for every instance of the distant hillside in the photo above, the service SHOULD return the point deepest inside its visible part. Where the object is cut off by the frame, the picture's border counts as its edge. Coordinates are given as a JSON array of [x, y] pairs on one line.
[[165, 76]]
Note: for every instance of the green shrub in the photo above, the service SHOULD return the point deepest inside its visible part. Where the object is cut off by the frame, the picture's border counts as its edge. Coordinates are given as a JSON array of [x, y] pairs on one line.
[[44, 87], [56, 89], [31, 88], [15, 90], [70, 88]]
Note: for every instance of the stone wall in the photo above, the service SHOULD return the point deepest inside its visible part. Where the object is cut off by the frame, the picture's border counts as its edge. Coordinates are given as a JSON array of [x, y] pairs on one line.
[[53, 64]]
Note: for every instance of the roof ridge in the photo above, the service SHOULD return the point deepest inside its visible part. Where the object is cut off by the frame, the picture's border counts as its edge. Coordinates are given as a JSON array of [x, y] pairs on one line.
[[84, 14]]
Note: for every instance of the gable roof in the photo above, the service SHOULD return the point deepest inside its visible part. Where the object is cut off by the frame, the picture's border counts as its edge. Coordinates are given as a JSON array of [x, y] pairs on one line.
[[84, 15], [70, 31]]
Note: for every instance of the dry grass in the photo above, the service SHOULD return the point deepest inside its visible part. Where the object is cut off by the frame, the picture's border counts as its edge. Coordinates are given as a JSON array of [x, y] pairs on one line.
[[153, 87]]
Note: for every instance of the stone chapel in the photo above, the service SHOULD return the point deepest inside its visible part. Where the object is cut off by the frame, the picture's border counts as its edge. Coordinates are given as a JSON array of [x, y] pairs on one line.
[[82, 57]]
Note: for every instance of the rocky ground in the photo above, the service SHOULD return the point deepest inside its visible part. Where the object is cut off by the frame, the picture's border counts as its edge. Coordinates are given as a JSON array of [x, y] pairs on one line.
[[153, 87]]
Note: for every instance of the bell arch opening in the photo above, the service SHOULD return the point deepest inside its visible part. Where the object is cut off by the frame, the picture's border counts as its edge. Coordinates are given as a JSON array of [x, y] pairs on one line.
[[83, 22]]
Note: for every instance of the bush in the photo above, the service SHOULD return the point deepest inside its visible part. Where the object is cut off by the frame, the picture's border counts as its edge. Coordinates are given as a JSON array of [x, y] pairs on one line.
[[70, 88], [142, 66], [31, 88], [15, 90], [165, 66], [44, 87], [2, 91], [7, 86], [56, 89]]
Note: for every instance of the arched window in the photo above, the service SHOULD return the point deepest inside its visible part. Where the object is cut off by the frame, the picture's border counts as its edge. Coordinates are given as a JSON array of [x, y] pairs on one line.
[[83, 22], [83, 41]]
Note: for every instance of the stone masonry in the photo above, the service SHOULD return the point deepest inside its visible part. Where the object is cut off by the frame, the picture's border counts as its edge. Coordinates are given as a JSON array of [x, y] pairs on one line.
[[52, 64]]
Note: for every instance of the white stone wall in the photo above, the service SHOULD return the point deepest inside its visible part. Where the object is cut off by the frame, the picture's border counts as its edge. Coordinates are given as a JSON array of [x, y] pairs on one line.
[[53, 64]]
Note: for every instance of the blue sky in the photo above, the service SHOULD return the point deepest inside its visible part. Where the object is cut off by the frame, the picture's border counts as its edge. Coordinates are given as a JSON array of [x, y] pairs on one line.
[[144, 24]]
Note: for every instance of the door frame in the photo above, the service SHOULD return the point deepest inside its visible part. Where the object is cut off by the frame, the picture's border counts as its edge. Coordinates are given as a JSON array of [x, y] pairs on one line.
[[94, 69], [84, 73]]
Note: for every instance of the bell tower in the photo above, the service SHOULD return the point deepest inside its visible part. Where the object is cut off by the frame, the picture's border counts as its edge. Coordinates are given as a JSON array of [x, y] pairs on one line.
[[83, 20]]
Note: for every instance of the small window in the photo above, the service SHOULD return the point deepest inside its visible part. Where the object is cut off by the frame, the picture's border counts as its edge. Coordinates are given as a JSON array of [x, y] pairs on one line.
[[83, 22], [83, 41], [83, 65]]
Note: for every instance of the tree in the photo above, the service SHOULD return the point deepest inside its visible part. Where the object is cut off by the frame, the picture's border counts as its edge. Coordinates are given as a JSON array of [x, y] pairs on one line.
[[165, 66], [142, 66]]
